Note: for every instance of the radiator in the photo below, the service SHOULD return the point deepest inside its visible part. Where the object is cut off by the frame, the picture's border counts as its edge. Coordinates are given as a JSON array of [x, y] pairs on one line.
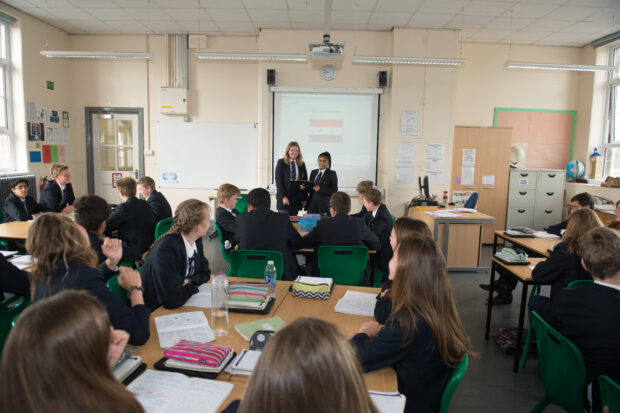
[[5, 185]]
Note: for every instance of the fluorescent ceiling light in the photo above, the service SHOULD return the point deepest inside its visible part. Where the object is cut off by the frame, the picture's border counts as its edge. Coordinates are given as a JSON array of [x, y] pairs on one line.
[[96, 55], [555, 66], [253, 56], [408, 60]]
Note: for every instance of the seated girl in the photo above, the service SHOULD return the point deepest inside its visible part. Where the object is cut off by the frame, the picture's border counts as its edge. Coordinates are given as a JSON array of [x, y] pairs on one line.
[[65, 261], [423, 338], [58, 358]]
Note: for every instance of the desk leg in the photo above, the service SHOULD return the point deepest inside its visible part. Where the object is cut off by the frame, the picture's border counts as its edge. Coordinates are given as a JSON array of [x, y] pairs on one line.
[[520, 328], [490, 302]]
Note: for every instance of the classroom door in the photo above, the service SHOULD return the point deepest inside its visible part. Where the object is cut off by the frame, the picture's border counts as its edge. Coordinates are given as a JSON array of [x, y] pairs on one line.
[[116, 152]]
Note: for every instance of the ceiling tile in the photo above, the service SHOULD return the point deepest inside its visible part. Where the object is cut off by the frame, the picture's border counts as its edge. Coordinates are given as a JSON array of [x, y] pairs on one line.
[[90, 25], [489, 35], [264, 4], [398, 5], [442, 6], [352, 5], [300, 16], [164, 27], [430, 20], [306, 4], [469, 22], [465, 34], [273, 25], [344, 17], [237, 27], [594, 3], [229, 15], [583, 27], [135, 3], [92, 3], [122, 25], [572, 13], [510, 24], [534, 11], [147, 14], [51, 3], [177, 4], [70, 13], [187, 14], [264, 15], [222, 4], [108, 14], [19, 3], [528, 36], [393, 19], [39, 13], [563, 38], [547, 25], [485, 8], [192, 26]]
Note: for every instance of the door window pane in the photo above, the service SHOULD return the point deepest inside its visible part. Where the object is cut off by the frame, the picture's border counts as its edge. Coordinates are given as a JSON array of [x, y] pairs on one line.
[[123, 130], [107, 157], [616, 62], [125, 159], [106, 132], [3, 123]]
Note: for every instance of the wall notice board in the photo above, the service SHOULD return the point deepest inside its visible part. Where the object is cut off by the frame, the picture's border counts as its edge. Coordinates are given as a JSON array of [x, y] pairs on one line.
[[206, 155], [546, 136]]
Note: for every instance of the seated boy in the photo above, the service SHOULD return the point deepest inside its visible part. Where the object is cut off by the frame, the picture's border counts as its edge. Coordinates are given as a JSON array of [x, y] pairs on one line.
[[589, 316], [18, 206], [225, 214], [57, 196], [361, 188], [340, 229], [582, 200], [91, 212], [379, 220], [133, 219], [157, 201], [263, 229]]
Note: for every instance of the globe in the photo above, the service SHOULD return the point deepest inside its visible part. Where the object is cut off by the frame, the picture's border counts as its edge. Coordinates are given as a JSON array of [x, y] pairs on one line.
[[575, 169]]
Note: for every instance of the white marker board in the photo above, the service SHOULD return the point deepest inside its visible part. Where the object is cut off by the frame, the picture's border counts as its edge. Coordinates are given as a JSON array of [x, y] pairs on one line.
[[206, 155]]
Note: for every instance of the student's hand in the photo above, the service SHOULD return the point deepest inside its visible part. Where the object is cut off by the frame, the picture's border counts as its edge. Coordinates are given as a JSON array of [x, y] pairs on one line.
[[302, 187], [68, 209], [129, 277], [112, 248], [118, 342], [316, 188], [285, 201], [370, 328], [350, 336], [384, 293]]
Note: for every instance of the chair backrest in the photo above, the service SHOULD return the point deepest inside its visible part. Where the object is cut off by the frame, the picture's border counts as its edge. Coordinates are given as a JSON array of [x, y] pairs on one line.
[[393, 218], [453, 383], [472, 201], [252, 263], [579, 283], [561, 367], [222, 247], [163, 226], [242, 204], [114, 286], [345, 264], [610, 394], [9, 309]]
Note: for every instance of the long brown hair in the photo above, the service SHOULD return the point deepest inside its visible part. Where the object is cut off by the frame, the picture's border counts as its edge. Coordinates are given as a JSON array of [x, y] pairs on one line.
[[55, 359], [300, 157], [579, 222], [421, 288], [54, 239], [308, 366], [405, 227]]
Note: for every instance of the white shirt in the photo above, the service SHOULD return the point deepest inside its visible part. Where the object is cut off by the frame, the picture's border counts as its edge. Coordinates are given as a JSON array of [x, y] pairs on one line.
[[374, 213], [604, 284], [62, 187], [190, 250], [230, 210]]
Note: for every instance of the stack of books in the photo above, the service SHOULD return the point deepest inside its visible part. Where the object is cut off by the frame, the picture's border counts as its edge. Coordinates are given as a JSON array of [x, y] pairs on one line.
[[248, 296]]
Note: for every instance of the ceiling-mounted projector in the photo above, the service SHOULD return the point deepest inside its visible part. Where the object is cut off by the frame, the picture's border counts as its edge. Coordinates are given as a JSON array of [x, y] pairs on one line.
[[326, 50]]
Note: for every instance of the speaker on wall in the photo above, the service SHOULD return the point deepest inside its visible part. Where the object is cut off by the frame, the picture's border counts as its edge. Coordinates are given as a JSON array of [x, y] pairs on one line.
[[382, 78], [271, 77]]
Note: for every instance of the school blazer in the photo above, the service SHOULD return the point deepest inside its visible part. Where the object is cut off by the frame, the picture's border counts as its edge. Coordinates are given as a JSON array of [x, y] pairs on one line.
[[381, 225], [319, 201], [361, 214], [284, 187], [14, 208], [95, 244], [134, 320], [13, 280], [341, 229], [160, 206], [263, 229], [164, 269], [135, 222], [226, 221], [560, 269], [51, 196], [557, 228], [421, 374]]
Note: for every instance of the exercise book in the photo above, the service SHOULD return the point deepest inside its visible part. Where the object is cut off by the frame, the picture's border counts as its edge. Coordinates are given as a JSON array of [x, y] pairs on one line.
[[357, 303]]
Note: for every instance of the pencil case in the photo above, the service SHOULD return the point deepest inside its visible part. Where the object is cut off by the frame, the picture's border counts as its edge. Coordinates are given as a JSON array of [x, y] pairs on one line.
[[187, 351], [306, 290], [242, 291]]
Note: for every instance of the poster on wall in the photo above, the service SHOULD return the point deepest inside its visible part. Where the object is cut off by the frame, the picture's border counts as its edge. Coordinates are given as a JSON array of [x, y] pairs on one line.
[[40, 115], [54, 153], [54, 116], [35, 157], [36, 131], [50, 135], [65, 119], [62, 154], [115, 177], [31, 111], [409, 122], [47, 155]]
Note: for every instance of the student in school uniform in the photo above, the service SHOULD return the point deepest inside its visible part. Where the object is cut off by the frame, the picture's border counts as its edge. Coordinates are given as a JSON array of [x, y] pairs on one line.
[[290, 195], [158, 202], [19, 206], [325, 183], [284, 379], [226, 214], [589, 316], [57, 195], [133, 219], [176, 265], [340, 229], [91, 212], [423, 338], [379, 220], [615, 224], [13, 280], [263, 229], [64, 261], [579, 201], [404, 227], [59, 358], [361, 188]]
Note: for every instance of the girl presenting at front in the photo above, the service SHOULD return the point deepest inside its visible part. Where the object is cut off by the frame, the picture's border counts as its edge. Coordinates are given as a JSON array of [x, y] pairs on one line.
[[325, 184], [291, 196], [423, 338]]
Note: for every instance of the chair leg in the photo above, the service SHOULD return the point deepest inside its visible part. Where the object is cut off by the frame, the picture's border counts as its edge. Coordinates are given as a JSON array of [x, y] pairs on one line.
[[526, 347], [541, 405]]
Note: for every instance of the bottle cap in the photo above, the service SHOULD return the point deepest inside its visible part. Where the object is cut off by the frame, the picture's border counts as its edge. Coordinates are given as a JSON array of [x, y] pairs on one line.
[[270, 262]]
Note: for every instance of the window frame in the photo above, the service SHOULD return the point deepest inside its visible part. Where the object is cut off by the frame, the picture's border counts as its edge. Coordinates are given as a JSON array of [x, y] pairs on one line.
[[6, 63], [609, 141]]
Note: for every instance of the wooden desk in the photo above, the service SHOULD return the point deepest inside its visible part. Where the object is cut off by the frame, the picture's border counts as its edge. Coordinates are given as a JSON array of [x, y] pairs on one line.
[[536, 246], [288, 308], [523, 274], [460, 237], [14, 230]]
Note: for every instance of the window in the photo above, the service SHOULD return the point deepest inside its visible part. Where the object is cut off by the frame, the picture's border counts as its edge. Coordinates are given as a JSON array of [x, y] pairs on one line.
[[611, 142]]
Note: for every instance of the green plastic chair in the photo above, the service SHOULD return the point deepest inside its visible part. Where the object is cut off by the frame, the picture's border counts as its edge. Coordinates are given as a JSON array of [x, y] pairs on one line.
[[377, 276], [579, 283], [453, 383], [393, 218], [345, 264], [610, 394], [9, 310], [242, 204], [163, 226], [114, 286], [222, 248], [252, 263], [561, 369]]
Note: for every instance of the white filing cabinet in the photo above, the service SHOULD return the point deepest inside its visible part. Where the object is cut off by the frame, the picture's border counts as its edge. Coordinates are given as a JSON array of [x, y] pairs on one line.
[[535, 198]]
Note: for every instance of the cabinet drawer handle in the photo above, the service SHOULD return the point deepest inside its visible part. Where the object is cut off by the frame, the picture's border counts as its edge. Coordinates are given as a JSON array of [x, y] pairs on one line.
[[520, 211], [522, 193], [551, 175], [524, 175], [548, 211], [488, 187], [550, 193], [470, 187]]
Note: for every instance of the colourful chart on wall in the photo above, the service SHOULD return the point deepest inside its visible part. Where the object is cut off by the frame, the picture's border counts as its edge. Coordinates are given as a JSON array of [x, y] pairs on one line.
[[546, 136]]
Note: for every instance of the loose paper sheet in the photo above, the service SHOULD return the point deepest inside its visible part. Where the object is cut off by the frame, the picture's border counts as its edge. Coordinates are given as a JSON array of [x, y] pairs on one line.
[[488, 179], [434, 165], [358, 303], [404, 175], [183, 326], [469, 157], [31, 112], [467, 175], [409, 122], [202, 298], [435, 177], [406, 154], [435, 150]]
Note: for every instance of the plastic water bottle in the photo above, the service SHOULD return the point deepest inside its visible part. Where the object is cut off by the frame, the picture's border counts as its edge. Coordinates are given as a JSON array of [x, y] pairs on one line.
[[219, 305], [270, 278]]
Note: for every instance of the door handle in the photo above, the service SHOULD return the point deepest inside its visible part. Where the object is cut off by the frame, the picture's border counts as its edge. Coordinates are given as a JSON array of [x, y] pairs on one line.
[[524, 175], [520, 211], [547, 211], [551, 175]]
